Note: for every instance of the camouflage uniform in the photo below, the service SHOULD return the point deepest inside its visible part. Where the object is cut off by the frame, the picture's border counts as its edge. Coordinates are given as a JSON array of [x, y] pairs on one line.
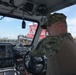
[[49, 46]]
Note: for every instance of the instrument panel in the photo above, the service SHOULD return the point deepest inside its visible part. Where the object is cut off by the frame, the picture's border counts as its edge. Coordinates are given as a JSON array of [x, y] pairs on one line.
[[6, 50], [6, 55], [2, 51], [12, 55]]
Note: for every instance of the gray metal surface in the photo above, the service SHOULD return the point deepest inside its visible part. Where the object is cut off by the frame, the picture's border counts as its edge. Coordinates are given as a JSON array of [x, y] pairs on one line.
[[16, 9]]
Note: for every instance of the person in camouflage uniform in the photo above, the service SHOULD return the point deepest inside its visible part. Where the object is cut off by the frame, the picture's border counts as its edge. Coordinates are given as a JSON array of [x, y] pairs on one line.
[[51, 44], [59, 46]]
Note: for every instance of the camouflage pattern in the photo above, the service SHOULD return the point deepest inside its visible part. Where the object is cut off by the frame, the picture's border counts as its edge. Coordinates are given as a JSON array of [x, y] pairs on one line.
[[49, 46], [52, 18]]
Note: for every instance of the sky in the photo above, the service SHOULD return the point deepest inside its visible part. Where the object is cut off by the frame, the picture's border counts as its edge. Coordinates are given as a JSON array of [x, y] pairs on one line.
[[11, 27]]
